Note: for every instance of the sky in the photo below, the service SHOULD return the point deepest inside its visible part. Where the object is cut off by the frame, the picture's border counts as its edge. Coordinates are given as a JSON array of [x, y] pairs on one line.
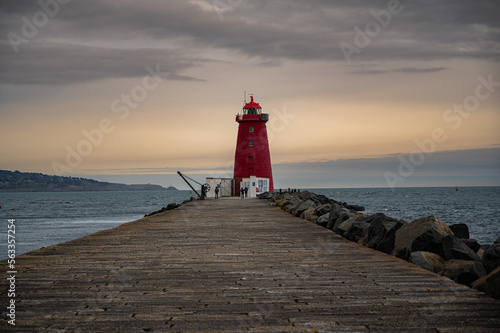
[[361, 93]]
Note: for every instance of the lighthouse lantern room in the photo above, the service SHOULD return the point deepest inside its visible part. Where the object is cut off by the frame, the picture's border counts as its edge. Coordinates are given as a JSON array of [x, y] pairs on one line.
[[252, 157]]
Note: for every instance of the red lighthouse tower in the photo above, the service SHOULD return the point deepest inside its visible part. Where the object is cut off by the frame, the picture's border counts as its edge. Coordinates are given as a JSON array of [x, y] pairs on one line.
[[252, 157]]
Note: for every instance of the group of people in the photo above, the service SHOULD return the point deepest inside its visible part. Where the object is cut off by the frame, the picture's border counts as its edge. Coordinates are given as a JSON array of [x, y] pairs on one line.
[[244, 192]]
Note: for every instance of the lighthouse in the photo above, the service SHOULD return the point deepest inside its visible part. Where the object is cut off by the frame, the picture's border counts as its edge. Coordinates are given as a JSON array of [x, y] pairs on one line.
[[252, 157]]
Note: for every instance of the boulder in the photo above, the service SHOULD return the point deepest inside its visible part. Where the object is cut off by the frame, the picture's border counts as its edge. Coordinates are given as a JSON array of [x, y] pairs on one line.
[[323, 220], [266, 195], [423, 234], [382, 232], [357, 230], [489, 284], [472, 244], [303, 207], [493, 283], [333, 225], [277, 196], [282, 201], [427, 260], [480, 284], [496, 243], [286, 205], [461, 230], [463, 271], [335, 212], [309, 215], [322, 200], [293, 206], [355, 208], [480, 253], [454, 248], [337, 215], [491, 258], [345, 225], [322, 209], [170, 206]]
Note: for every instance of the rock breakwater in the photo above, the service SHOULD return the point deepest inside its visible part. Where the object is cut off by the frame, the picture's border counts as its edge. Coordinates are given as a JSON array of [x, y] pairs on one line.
[[427, 242], [170, 206]]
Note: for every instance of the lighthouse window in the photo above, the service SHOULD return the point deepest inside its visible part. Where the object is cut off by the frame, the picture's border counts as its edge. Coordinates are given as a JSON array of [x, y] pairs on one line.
[[250, 129], [250, 158], [250, 143]]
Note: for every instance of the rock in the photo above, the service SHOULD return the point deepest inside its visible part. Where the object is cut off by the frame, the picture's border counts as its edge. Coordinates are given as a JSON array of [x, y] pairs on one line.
[[355, 208], [454, 248], [357, 230], [277, 196], [496, 243], [303, 207], [491, 258], [489, 284], [427, 260], [322, 200], [423, 234], [345, 225], [292, 205], [472, 244], [382, 232], [333, 225], [266, 195], [480, 253], [335, 212], [309, 215], [323, 209], [463, 271], [461, 230], [286, 205], [281, 202], [480, 284], [493, 283], [323, 220], [170, 206]]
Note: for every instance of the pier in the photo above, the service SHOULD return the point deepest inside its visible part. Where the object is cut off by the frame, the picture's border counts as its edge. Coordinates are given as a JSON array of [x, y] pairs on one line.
[[233, 265]]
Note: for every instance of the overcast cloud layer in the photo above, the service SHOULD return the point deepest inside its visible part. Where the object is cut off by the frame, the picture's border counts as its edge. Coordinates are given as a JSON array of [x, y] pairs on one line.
[[93, 40], [346, 83]]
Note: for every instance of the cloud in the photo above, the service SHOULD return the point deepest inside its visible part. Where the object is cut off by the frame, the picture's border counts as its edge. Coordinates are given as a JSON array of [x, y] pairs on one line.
[[63, 63], [405, 70], [453, 168], [103, 32], [420, 70]]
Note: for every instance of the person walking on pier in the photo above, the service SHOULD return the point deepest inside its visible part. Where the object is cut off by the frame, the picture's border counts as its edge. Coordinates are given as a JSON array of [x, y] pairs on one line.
[[216, 193], [242, 192], [246, 192]]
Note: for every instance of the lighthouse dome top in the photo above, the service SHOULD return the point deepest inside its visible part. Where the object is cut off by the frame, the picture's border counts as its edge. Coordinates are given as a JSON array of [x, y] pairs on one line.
[[252, 112], [252, 104], [252, 107]]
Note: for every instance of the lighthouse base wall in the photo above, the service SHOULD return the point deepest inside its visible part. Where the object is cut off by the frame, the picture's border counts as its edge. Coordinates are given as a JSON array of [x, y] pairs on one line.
[[254, 185]]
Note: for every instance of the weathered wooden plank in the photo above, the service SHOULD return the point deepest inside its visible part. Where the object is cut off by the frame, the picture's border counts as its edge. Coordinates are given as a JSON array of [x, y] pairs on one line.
[[234, 265]]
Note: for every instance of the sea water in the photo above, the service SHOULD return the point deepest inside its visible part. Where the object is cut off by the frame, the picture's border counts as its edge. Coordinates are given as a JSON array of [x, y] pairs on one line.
[[478, 207], [43, 219], [47, 218]]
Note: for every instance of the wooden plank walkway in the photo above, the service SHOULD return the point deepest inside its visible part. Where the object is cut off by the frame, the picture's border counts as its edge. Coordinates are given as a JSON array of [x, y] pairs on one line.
[[233, 265]]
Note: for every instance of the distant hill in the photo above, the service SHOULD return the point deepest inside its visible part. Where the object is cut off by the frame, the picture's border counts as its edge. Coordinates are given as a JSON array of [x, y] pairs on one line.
[[16, 181]]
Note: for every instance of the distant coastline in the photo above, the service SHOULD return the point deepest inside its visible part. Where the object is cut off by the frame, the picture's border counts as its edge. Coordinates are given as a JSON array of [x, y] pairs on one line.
[[16, 181]]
